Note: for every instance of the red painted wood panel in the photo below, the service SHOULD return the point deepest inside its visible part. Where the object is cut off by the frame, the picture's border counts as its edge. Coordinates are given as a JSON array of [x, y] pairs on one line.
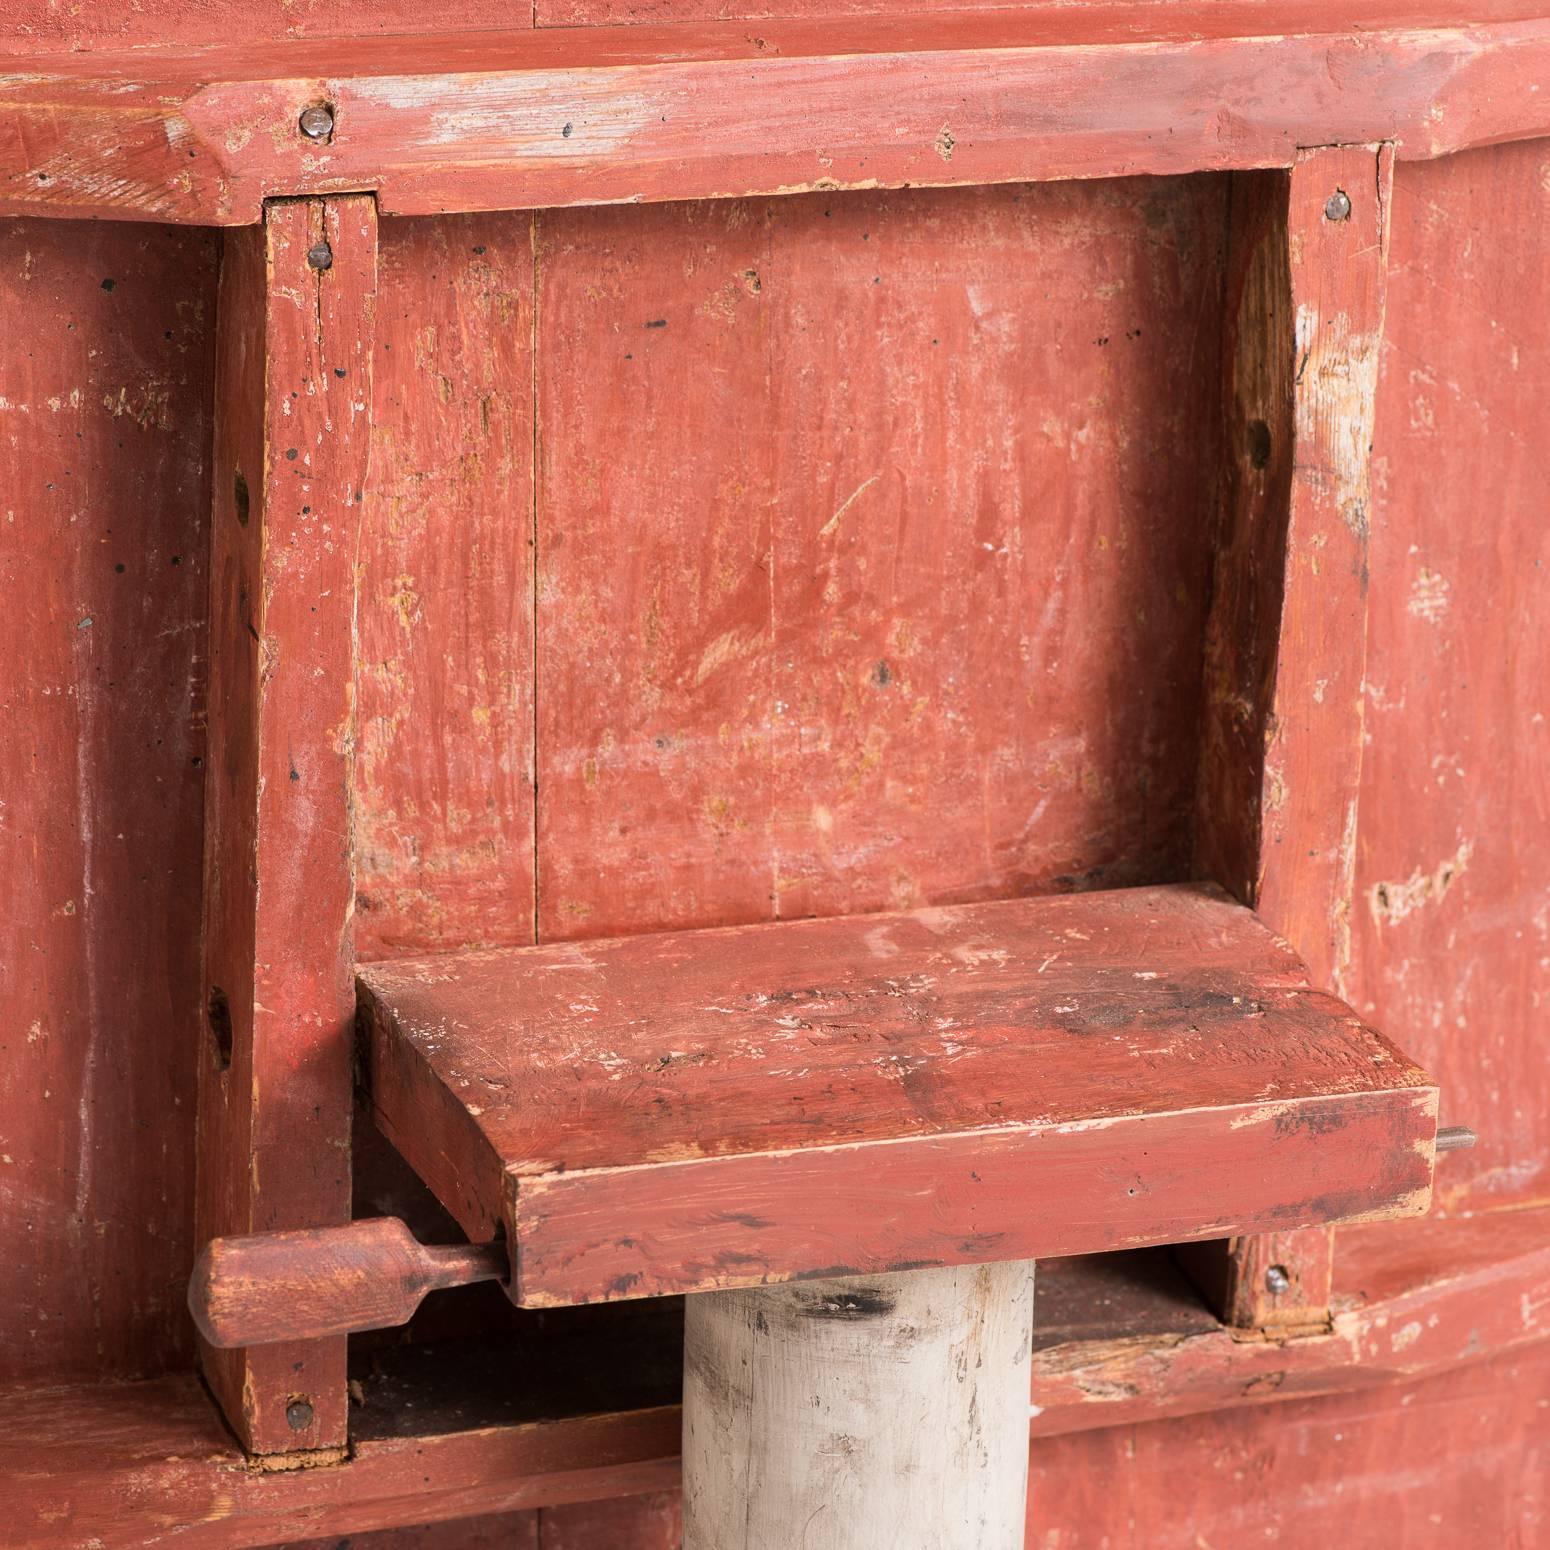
[[868, 574], [45, 25], [1461, 1459], [444, 663], [105, 384], [505, 1531], [1452, 915], [630, 1523]]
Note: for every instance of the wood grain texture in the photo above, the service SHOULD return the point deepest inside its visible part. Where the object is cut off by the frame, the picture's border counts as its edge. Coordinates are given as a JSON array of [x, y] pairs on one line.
[[836, 1411], [1249, 570], [1385, 1467], [292, 396], [33, 27], [1287, 641], [1314, 735], [1313, 756], [564, 116], [711, 1109], [444, 777], [105, 385], [1452, 919], [639, 1522], [319, 1281], [844, 653], [151, 1465], [508, 1531]]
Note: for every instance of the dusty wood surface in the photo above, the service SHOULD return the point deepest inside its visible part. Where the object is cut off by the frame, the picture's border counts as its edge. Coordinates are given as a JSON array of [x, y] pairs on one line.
[[105, 383], [597, 116], [834, 1412], [292, 389], [1313, 756], [321, 1281], [1451, 924], [843, 653], [445, 675], [692, 1110]]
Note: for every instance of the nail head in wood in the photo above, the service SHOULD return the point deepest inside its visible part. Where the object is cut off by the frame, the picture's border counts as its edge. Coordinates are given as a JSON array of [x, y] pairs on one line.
[[320, 256], [1338, 206], [298, 1415], [317, 122], [1277, 1281]]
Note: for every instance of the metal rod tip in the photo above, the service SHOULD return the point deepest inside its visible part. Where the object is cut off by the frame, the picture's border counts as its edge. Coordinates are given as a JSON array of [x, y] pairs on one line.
[[1455, 1138]]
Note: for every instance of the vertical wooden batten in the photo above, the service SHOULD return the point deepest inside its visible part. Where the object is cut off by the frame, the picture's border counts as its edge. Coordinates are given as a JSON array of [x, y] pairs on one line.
[[1287, 639], [293, 390]]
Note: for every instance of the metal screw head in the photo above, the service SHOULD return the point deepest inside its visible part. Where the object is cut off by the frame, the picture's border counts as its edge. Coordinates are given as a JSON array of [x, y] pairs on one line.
[[1277, 1281], [298, 1415], [317, 122], [320, 256], [1338, 206]]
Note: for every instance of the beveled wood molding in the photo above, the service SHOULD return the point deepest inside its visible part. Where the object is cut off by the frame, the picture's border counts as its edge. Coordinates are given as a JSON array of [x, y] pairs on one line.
[[576, 116]]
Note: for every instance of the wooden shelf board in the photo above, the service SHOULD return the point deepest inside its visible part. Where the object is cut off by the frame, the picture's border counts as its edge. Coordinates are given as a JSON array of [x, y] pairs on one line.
[[706, 1109], [1122, 1341], [567, 116]]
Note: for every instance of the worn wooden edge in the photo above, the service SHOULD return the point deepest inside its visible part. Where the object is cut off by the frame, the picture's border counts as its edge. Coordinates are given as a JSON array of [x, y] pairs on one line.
[[437, 1127], [599, 1235], [1287, 633], [149, 1464], [559, 117]]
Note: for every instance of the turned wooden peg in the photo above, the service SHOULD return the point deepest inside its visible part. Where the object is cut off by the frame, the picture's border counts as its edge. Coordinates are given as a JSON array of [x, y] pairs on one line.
[[326, 1281]]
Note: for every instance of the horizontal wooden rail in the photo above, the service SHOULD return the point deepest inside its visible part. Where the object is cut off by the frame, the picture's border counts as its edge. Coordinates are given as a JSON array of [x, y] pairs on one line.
[[553, 117], [114, 1464]]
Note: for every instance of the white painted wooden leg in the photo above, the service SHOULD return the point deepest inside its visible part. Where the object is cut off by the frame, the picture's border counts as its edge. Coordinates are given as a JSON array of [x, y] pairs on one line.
[[871, 1413]]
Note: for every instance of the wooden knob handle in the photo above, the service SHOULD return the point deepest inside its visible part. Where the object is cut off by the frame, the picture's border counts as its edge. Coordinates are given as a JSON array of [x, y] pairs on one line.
[[325, 1281]]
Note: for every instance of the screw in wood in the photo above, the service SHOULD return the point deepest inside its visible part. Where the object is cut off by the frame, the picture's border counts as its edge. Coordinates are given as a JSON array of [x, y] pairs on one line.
[[1278, 1281], [1338, 206], [298, 1415], [317, 122], [320, 256]]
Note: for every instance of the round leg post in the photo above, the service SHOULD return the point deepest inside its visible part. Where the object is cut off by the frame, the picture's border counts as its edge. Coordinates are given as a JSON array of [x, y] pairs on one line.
[[869, 1413]]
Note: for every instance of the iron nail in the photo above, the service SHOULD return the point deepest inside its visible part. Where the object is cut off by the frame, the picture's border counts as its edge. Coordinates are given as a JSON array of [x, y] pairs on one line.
[[317, 122]]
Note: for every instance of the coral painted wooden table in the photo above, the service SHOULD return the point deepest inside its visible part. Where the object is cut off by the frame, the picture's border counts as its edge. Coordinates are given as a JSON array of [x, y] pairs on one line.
[[684, 685]]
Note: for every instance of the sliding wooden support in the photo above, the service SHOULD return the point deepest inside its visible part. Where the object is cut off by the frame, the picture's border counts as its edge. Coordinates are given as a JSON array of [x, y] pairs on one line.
[[292, 390], [1287, 644], [703, 1110], [691, 110]]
